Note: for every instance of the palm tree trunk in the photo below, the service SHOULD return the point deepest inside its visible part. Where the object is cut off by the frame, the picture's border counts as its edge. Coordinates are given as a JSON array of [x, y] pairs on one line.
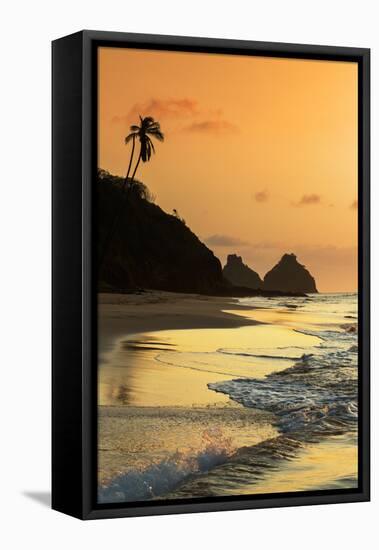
[[136, 166], [130, 162]]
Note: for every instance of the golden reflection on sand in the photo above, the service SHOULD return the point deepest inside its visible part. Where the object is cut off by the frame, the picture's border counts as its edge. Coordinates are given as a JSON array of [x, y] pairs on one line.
[[153, 388], [326, 465], [173, 367]]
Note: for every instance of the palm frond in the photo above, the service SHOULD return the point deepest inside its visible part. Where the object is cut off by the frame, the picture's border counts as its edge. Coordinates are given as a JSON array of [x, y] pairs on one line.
[[146, 149], [144, 153], [157, 134], [129, 137], [152, 145], [148, 120]]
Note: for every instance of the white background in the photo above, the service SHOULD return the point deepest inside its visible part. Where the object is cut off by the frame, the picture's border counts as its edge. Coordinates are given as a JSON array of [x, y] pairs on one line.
[[26, 31]]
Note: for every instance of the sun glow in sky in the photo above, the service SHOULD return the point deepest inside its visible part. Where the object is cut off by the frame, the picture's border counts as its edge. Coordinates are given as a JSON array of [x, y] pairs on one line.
[[260, 154]]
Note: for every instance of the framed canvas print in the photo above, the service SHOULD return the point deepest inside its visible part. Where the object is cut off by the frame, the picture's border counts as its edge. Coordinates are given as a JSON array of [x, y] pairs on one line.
[[210, 274]]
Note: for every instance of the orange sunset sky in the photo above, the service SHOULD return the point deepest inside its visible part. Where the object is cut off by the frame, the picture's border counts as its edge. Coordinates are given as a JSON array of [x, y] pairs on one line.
[[259, 157]]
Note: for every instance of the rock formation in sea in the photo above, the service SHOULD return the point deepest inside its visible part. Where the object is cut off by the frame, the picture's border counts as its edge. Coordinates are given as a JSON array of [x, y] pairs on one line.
[[239, 274], [288, 275], [149, 248]]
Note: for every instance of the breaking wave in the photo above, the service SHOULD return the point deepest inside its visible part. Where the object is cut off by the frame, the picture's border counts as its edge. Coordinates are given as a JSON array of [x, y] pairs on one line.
[[166, 475], [312, 397], [317, 395]]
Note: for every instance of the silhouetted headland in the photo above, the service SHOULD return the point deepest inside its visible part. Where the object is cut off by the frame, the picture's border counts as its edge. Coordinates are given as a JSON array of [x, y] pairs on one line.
[[151, 249]]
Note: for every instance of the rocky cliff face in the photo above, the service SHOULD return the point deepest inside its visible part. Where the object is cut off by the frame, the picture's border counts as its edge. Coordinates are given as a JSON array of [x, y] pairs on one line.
[[288, 275], [239, 274], [149, 248]]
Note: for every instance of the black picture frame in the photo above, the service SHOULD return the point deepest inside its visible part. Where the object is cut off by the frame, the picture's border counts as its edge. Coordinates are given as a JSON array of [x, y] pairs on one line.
[[74, 358]]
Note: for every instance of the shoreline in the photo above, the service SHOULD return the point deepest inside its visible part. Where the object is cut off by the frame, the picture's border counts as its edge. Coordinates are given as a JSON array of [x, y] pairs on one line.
[[156, 398], [127, 314]]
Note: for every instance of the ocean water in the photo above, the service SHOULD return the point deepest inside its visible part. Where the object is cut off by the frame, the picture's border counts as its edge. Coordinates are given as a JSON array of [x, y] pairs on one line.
[[258, 409]]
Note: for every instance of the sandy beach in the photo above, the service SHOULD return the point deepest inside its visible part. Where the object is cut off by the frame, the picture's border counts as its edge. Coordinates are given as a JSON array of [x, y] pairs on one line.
[[190, 395], [140, 398], [121, 314], [139, 334]]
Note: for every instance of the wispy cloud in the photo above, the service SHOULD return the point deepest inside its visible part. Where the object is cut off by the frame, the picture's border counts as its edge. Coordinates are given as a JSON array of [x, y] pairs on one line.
[[307, 200], [225, 240], [211, 126], [261, 196], [182, 114], [162, 109], [267, 245]]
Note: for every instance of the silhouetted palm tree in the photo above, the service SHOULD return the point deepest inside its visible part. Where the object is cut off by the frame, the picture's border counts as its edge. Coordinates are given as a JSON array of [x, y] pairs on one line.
[[148, 127]]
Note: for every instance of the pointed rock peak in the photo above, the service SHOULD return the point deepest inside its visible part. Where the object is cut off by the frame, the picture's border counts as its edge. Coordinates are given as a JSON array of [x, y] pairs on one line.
[[289, 259], [239, 274], [234, 259], [288, 275]]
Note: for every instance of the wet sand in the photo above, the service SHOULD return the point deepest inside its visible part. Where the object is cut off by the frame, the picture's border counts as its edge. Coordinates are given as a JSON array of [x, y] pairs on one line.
[[122, 314], [158, 349], [158, 420]]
